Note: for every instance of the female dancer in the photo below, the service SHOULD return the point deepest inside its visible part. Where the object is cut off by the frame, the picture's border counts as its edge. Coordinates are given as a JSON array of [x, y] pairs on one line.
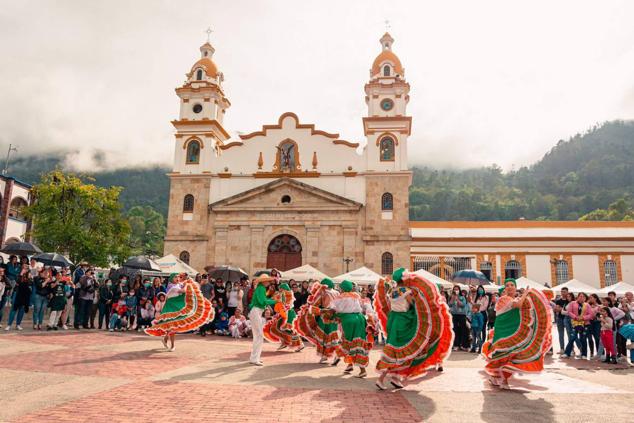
[[357, 342], [311, 325], [418, 324], [280, 328], [520, 337], [184, 310]]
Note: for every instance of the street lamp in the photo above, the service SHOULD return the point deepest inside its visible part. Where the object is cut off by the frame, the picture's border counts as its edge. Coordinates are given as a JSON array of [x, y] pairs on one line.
[[6, 164], [348, 260]]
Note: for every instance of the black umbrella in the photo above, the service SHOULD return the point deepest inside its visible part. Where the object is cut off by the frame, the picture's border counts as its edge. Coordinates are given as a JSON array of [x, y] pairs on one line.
[[21, 249], [470, 277], [52, 259], [142, 262], [266, 272], [226, 273]]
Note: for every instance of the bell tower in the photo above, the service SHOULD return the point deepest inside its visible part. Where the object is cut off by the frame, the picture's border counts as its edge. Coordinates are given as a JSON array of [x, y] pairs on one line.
[[199, 135], [387, 125], [388, 178]]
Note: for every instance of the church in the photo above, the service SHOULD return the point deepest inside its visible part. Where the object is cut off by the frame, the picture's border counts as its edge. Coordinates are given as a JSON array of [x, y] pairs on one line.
[[291, 193]]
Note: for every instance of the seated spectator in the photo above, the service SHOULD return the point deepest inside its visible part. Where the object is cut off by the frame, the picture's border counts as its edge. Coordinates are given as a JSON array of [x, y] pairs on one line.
[[239, 326], [119, 319], [146, 314], [222, 325], [160, 302], [131, 303]]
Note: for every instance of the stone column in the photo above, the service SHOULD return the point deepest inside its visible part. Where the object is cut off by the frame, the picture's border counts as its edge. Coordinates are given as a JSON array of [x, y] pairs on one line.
[[350, 248], [257, 256], [312, 255], [220, 236]]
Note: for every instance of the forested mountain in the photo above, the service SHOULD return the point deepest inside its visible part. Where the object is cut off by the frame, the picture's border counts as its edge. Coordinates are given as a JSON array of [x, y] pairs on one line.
[[589, 171]]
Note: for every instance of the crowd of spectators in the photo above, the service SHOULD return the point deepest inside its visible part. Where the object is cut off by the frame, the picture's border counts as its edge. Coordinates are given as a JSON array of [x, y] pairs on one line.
[[586, 324]]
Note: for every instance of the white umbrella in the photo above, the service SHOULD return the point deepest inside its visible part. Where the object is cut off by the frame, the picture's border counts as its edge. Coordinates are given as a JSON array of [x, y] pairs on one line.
[[304, 273], [528, 283], [435, 279], [172, 264], [575, 286], [619, 288], [361, 276]]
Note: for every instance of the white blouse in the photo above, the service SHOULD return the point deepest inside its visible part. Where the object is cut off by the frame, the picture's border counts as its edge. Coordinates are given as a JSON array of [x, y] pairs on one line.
[[399, 304], [346, 304]]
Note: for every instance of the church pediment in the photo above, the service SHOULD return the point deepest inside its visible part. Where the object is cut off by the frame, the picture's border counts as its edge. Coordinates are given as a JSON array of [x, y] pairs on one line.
[[285, 194]]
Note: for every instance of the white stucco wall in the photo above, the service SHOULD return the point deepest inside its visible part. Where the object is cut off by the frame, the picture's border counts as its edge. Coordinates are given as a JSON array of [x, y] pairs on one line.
[[331, 158], [538, 268], [15, 229], [627, 268], [19, 191], [586, 269]]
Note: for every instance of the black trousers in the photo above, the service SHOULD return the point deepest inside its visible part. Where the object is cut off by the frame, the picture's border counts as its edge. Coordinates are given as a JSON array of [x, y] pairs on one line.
[[460, 329], [85, 307]]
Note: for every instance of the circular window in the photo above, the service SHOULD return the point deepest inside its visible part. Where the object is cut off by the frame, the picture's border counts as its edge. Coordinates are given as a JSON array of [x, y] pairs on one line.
[[387, 104], [197, 108], [286, 199]]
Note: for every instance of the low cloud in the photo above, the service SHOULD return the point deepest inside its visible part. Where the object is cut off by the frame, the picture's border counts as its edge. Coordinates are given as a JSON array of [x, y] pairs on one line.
[[499, 82]]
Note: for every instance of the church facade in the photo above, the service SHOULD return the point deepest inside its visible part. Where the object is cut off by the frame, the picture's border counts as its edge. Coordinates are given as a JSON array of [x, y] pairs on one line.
[[291, 193]]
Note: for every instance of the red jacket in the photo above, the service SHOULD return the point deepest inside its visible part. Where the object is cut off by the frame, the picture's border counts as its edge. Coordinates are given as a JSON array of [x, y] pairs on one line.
[[119, 309]]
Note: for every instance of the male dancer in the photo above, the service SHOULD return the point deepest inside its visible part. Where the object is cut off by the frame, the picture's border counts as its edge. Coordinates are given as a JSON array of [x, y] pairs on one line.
[[258, 303]]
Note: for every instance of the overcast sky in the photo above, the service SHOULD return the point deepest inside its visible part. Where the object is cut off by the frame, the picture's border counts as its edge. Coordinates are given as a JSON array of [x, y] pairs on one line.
[[492, 81]]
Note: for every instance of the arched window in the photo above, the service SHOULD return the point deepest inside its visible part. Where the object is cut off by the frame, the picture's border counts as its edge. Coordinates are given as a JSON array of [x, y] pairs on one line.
[[387, 149], [16, 208], [387, 202], [193, 152], [561, 272], [188, 204], [609, 268], [513, 269], [386, 70], [184, 256], [486, 268], [387, 263], [199, 75]]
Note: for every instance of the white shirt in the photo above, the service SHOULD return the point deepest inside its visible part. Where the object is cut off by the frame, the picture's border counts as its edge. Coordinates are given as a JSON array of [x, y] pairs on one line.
[[233, 298], [346, 304]]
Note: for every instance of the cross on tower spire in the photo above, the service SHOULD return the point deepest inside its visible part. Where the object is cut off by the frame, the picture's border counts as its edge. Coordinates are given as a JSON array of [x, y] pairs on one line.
[[208, 31], [387, 25]]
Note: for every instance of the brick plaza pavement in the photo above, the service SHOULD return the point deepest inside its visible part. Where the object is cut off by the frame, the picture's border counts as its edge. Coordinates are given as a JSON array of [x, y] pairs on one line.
[[96, 377]]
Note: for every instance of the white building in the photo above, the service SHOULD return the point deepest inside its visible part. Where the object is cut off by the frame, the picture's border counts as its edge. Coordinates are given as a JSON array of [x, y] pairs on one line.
[[15, 196]]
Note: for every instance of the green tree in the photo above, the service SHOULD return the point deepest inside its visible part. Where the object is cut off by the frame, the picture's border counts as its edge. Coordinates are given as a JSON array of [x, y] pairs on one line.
[[147, 230], [79, 219], [621, 209]]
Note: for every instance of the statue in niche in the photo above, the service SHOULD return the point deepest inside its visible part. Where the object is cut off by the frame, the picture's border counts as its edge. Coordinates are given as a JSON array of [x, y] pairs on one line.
[[286, 153]]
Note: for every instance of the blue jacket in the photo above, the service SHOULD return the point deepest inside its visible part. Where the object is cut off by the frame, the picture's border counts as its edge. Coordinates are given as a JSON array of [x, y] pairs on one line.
[[477, 321], [454, 308]]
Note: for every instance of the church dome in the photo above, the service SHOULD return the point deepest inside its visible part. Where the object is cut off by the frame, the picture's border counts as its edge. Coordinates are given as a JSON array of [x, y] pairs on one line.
[[208, 66], [387, 56]]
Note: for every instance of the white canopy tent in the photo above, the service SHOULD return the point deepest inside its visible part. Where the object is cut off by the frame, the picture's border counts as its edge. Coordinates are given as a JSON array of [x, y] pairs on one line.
[[360, 276], [435, 279], [619, 288], [303, 273], [526, 283], [172, 264], [575, 286]]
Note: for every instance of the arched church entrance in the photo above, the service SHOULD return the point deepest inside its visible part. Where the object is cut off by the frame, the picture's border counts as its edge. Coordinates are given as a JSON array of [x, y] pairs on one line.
[[284, 253]]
